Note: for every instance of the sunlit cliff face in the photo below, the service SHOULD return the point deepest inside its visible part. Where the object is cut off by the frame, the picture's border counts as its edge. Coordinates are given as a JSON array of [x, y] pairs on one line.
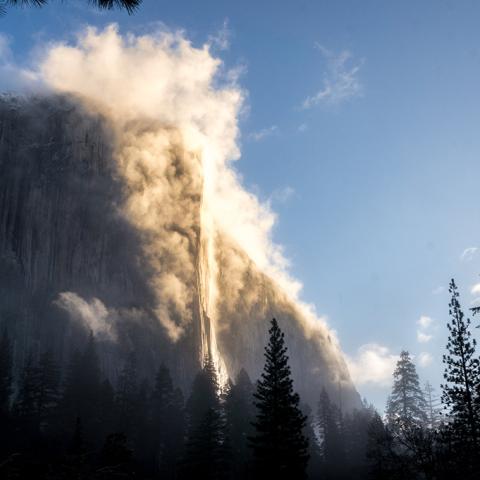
[[174, 113]]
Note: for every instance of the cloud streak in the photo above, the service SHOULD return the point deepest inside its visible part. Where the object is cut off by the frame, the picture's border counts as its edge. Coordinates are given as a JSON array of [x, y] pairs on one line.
[[468, 254], [264, 133], [340, 82]]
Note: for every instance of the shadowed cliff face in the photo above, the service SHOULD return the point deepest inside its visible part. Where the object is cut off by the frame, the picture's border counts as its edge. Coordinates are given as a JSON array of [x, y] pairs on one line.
[[106, 230]]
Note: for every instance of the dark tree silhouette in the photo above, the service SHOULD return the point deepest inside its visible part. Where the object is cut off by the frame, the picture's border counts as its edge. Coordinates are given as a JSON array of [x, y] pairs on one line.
[[205, 454], [462, 374], [381, 456], [47, 388], [25, 403], [129, 5], [128, 397], [330, 423], [81, 392], [167, 423], [239, 417], [278, 443]]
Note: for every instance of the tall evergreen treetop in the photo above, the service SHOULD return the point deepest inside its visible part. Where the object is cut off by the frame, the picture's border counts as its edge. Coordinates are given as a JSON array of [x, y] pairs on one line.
[[279, 445], [462, 373], [204, 394], [204, 450], [406, 405]]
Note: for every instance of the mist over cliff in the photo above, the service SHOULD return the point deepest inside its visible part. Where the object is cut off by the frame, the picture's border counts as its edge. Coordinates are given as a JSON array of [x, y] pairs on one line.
[[121, 214]]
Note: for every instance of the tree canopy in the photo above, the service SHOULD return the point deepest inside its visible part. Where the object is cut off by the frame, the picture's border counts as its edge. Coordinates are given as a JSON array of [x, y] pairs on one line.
[[129, 5]]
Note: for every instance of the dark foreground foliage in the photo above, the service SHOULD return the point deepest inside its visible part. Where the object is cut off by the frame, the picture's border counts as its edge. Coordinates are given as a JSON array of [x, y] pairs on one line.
[[75, 424]]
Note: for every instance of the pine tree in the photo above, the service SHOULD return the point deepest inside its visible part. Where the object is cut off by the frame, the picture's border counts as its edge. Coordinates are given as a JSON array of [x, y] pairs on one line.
[[406, 405], [167, 423], [462, 374], [381, 454], [332, 446], [126, 396], [433, 404], [81, 392], [47, 388], [25, 403], [278, 443], [205, 455], [5, 374], [239, 416]]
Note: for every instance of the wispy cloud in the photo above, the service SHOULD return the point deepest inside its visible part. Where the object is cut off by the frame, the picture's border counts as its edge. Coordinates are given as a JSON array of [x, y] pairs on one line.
[[373, 364], [425, 359], [425, 322], [221, 39], [340, 82], [12, 76], [425, 325], [438, 290], [469, 254], [265, 132], [423, 337], [302, 127], [281, 195]]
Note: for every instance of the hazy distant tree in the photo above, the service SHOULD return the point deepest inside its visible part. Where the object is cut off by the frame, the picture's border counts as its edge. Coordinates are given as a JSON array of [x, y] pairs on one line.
[[47, 388], [204, 394], [356, 427], [81, 392], [406, 405], [127, 396], [239, 417], [6, 374], [129, 5], [106, 408], [384, 462], [174, 429], [433, 404], [315, 466], [278, 442], [462, 375], [25, 405], [330, 427], [167, 423], [204, 452]]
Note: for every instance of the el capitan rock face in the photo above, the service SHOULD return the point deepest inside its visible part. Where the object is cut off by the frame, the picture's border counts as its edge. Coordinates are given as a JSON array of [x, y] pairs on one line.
[[77, 254]]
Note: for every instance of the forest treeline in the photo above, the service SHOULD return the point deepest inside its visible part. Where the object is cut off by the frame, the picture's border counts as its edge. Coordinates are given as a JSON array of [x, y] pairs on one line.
[[77, 425]]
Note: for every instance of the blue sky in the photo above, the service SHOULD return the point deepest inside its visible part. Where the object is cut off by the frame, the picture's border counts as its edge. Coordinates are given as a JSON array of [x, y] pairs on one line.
[[362, 130]]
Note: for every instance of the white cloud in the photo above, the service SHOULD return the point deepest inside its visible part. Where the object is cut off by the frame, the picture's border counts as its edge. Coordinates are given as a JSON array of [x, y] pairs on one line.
[[340, 82], [373, 364], [425, 325], [423, 337], [303, 127], [425, 359], [475, 290], [425, 322], [468, 254], [265, 132], [221, 40], [438, 290], [281, 195]]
